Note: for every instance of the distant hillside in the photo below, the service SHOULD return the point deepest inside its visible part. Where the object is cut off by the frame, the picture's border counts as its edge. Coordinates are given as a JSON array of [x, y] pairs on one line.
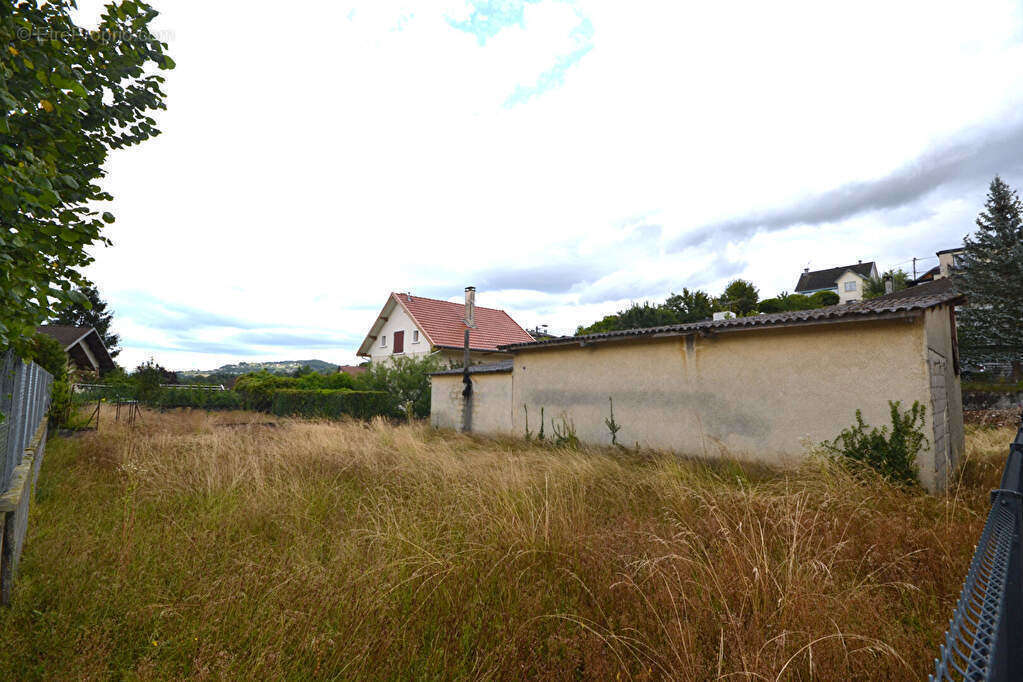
[[278, 367]]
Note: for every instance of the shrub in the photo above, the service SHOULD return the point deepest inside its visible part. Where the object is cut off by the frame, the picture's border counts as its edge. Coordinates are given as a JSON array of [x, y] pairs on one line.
[[406, 381], [196, 397], [47, 352], [330, 403], [328, 381], [824, 298], [893, 454], [257, 389], [787, 302]]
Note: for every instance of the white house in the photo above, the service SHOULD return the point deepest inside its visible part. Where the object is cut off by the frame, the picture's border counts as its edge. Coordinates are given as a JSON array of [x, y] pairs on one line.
[[847, 281], [413, 326], [947, 260]]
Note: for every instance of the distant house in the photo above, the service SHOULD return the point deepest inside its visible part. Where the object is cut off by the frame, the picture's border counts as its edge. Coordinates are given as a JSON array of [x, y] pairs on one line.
[[947, 260], [847, 281], [414, 326], [84, 347], [352, 370]]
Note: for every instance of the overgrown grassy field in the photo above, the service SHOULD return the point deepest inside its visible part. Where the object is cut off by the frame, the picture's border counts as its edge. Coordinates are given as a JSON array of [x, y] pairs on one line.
[[231, 546]]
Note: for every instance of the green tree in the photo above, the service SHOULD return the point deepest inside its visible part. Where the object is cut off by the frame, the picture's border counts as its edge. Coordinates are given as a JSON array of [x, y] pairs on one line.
[[740, 297], [635, 316], [691, 306], [148, 377], [875, 286], [67, 97], [302, 371], [406, 380], [90, 311], [990, 273]]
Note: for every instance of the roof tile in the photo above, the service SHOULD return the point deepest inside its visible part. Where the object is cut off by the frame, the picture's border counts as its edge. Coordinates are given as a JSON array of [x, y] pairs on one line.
[[443, 322]]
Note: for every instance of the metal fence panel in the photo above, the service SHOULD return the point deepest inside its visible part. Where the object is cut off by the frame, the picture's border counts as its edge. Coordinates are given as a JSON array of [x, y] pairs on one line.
[[984, 640], [24, 402]]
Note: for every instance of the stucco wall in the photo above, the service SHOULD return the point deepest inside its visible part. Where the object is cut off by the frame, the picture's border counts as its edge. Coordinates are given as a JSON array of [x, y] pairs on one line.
[[752, 394], [491, 402], [450, 357], [399, 320]]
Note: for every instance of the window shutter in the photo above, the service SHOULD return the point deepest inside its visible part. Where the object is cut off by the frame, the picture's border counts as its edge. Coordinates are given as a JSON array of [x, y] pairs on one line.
[[399, 342]]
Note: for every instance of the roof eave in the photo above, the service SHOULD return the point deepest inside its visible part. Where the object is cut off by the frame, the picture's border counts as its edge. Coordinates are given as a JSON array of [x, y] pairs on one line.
[[100, 351], [374, 330], [474, 350]]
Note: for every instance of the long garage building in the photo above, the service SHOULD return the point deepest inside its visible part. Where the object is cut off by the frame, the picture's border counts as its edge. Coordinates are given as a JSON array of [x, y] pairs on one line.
[[757, 388]]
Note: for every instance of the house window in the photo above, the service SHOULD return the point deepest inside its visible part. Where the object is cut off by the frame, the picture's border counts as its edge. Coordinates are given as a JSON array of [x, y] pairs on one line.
[[850, 286], [415, 336], [399, 342], [383, 341]]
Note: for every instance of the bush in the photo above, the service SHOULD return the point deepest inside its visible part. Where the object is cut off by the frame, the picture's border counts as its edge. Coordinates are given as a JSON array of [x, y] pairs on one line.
[[47, 352], [789, 302], [196, 397], [824, 298], [891, 455], [330, 403], [406, 381], [257, 389]]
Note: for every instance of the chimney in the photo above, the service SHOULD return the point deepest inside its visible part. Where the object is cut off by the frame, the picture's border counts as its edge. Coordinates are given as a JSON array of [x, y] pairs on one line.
[[806, 270], [470, 307], [889, 285]]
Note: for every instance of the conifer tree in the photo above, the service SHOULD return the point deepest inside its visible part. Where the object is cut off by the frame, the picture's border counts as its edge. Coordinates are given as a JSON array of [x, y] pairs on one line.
[[990, 273]]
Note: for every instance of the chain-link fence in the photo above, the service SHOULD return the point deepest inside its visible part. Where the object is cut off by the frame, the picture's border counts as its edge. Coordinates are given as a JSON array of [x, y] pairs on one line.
[[24, 401], [984, 640]]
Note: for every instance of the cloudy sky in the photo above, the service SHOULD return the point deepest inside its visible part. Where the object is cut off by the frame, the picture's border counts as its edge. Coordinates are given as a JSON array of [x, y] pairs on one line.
[[564, 157]]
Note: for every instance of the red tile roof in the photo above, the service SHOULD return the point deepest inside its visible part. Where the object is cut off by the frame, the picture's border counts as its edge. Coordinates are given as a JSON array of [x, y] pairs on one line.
[[443, 322]]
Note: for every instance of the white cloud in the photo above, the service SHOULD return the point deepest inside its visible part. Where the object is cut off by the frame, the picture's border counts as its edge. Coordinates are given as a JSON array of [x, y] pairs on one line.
[[313, 161]]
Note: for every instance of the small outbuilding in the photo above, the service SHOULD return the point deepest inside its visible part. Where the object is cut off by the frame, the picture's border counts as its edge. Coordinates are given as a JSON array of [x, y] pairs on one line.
[[758, 388], [84, 347]]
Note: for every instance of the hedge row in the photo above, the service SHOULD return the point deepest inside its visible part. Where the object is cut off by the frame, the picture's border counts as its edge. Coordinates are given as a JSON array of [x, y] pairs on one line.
[[196, 397], [330, 403], [285, 402]]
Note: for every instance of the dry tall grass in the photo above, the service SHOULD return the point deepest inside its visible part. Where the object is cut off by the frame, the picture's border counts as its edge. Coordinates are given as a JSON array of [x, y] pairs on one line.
[[225, 546]]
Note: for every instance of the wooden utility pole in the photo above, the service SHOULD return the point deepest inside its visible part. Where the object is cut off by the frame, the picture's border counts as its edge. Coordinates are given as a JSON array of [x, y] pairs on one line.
[[470, 323], [467, 391]]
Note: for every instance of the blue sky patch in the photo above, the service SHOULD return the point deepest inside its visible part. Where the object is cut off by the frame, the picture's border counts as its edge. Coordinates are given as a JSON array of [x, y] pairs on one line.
[[554, 77], [490, 17]]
